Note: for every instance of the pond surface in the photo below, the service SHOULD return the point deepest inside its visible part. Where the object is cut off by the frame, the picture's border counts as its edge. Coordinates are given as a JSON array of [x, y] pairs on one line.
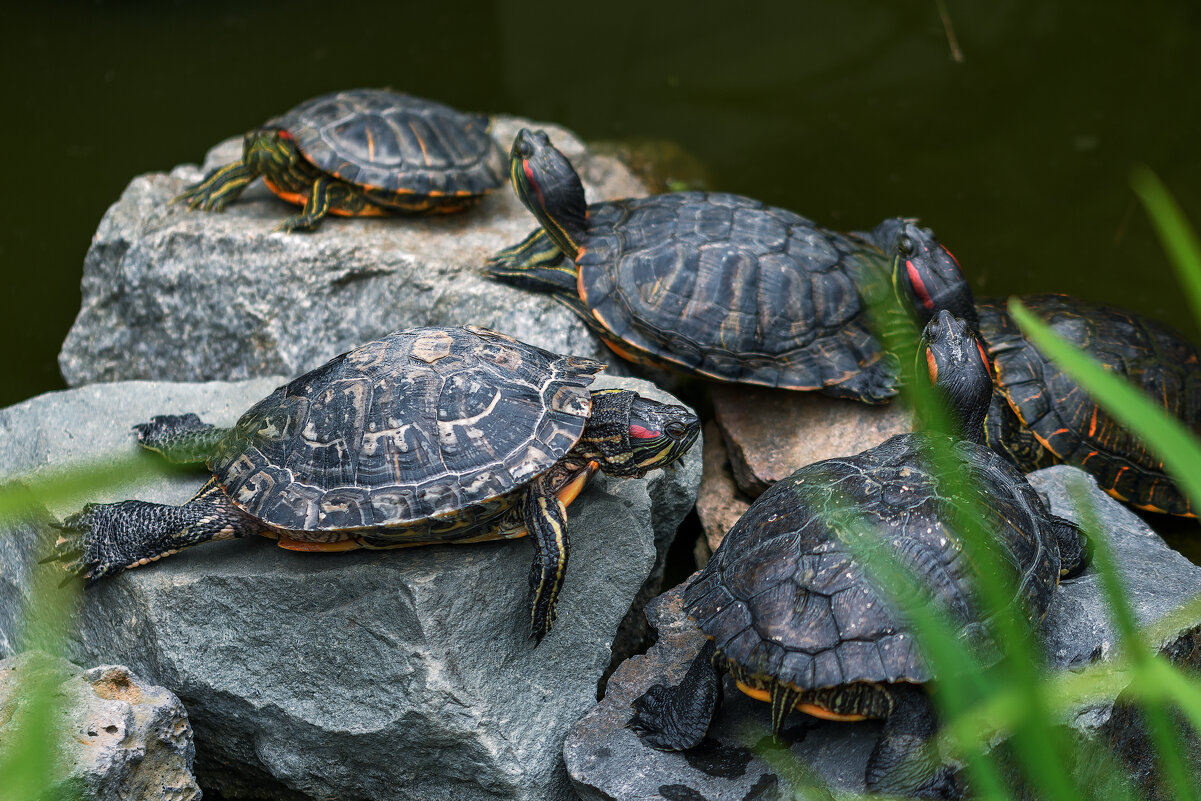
[[1018, 156]]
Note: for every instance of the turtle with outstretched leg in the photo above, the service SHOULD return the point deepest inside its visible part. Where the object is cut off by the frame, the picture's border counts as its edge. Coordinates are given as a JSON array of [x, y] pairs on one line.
[[362, 152], [709, 283], [794, 616], [430, 435]]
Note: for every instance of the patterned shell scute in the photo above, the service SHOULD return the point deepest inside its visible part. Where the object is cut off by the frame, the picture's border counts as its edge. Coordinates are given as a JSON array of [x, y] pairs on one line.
[[730, 288], [396, 143], [422, 423], [1066, 420], [785, 596]]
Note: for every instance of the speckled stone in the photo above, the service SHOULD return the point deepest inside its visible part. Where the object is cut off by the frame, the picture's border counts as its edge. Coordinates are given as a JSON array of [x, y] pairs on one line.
[[170, 294], [120, 737]]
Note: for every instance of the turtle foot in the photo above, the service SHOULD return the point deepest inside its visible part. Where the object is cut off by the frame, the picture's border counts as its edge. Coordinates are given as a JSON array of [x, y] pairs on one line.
[[677, 718], [85, 546], [181, 438]]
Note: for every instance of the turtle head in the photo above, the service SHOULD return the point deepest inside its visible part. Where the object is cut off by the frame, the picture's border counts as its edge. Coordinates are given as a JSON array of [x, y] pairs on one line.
[[550, 188], [925, 275], [960, 372], [629, 434], [269, 150]]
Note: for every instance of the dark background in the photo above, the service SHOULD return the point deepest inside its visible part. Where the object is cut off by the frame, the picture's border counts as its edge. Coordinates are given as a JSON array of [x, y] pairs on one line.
[[847, 112]]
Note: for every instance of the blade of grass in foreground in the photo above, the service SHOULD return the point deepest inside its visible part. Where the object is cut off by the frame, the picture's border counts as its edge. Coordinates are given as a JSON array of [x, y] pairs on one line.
[[60, 486], [1177, 235], [30, 744]]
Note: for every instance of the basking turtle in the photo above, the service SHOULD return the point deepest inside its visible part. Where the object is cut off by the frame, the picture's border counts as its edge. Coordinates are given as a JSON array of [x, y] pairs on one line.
[[1039, 416], [429, 435], [792, 615], [362, 152], [713, 284]]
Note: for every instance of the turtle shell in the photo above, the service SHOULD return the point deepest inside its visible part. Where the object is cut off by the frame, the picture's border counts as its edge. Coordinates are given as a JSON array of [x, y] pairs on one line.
[[784, 597], [1066, 421], [423, 423], [729, 288], [396, 143]]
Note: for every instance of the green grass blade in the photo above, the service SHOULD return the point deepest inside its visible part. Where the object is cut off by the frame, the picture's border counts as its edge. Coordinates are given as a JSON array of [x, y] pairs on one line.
[[1177, 235]]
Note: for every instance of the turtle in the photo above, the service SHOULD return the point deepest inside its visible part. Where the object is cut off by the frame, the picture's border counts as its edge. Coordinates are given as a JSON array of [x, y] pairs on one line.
[[1040, 416], [362, 152], [428, 435], [790, 612], [714, 284]]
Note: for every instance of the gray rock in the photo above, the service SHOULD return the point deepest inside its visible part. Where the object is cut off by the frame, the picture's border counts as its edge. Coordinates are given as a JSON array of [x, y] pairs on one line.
[[175, 295], [362, 675], [608, 761], [119, 737]]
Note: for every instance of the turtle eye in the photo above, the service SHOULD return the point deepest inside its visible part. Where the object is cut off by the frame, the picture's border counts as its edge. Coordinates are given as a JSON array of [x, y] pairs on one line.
[[524, 148], [905, 246], [676, 429]]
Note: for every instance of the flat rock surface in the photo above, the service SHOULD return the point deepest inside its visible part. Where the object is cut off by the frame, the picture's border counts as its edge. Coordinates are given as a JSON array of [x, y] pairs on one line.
[[769, 433], [400, 674], [120, 737], [170, 294], [608, 761]]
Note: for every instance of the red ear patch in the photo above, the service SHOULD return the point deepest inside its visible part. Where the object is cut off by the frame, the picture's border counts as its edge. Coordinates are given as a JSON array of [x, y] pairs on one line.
[[638, 432], [947, 251], [284, 134], [919, 288], [983, 355]]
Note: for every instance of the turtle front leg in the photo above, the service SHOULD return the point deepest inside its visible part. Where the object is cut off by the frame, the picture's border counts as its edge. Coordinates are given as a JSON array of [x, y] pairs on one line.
[[676, 718], [904, 761], [180, 438], [534, 263], [219, 188], [104, 539], [326, 194], [546, 521]]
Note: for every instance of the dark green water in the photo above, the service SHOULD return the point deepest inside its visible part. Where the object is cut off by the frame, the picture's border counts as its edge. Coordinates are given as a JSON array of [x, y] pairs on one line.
[[844, 111]]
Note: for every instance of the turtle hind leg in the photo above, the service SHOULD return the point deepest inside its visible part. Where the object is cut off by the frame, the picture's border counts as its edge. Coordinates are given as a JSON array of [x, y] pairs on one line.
[[1075, 548], [180, 438], [104, 539], [875, 384], [219, 188], [904, 761], [675, 718]]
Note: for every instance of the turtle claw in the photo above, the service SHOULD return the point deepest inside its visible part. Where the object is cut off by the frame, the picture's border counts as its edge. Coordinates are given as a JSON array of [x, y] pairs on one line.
[[79, 549]]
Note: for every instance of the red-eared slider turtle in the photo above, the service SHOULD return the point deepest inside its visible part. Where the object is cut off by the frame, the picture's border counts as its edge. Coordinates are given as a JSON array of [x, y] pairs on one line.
[[1039, 416], [713, 284], [791, 613], [362, 152], [431, 435]]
